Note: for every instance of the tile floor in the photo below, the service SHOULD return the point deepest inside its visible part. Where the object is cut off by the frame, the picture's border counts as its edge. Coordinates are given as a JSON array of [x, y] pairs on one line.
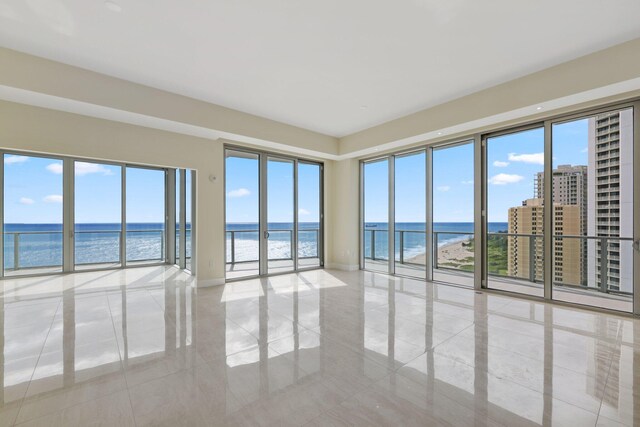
[[145, 347]]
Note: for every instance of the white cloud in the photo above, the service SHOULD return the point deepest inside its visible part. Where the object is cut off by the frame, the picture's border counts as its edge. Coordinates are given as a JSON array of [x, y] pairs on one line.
[[240, 192], [10, 160], [55, 168], [444, 188], [469, 182], [505, 178], [585, 150], [534, 158], [83, 168], [26, 201], [500, 164], [53, 198], [303, 211]]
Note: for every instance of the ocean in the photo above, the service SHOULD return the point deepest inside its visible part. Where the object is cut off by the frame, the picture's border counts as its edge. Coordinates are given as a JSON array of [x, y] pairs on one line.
[[40, 245]]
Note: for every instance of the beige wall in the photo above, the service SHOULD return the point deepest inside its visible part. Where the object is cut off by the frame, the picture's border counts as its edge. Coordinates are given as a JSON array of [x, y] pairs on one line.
[[343, 235], [30, 73]]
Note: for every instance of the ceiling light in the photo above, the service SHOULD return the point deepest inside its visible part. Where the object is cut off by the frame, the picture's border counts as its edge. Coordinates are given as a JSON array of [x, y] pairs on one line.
[[112, 6], [539, 108], [439, 133]]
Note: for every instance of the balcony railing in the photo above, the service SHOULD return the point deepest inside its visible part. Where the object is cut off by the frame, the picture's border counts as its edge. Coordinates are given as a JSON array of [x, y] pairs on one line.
[[251, 254], [32, 249], [517, 257], [25, 250]]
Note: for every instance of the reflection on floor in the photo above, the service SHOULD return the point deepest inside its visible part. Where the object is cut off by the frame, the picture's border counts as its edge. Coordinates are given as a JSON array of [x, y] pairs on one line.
[[145, 347]]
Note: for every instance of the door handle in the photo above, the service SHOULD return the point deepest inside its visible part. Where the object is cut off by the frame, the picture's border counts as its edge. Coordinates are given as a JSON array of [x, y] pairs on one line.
[[266, 234], [636, 245]]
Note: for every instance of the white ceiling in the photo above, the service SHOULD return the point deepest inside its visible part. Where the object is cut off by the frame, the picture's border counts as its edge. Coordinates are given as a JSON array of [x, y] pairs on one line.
[[333, 66]]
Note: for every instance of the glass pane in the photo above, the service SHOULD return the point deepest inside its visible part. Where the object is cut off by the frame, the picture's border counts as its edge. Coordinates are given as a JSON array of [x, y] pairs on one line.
[[178, 213], [410, 205], [145, 215], [453, 210], [98, 215], [32, 215], [515, 218], [280, 214], [376, 215], [188, 209], [308, 215], [593, 210], [242, 214]]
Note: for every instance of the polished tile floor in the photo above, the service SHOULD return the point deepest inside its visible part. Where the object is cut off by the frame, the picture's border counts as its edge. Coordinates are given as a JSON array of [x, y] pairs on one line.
[[145, 347]]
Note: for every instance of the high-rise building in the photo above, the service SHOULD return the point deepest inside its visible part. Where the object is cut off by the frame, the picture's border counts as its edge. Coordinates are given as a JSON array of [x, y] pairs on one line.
[[610, 200], [526, 252], [569, 188]]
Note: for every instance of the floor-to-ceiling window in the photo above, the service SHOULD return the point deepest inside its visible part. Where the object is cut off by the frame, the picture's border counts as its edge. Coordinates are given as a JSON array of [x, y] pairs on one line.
[[453, 213], [188, 218], [33, 214], [546, 209], [145, 213], [273, 213], [280, 215], [375, 184], [593, 204], [178, 213], [309, 214], [97, 215], [515, 211], [67, 214], [410, 214], [242, 181]]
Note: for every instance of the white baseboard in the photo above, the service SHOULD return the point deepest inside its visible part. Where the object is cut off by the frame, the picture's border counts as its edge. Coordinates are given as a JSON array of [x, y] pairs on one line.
[[209, 282], [343, 267]]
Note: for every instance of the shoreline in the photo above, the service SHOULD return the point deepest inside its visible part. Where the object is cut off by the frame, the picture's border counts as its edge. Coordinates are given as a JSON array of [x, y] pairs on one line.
[[454, 254]]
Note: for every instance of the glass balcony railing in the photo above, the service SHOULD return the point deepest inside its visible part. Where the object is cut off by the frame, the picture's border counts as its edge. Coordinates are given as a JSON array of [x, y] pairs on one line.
[[98, 247], [600, 264], [32, 249], [243, 245], [145, 245]]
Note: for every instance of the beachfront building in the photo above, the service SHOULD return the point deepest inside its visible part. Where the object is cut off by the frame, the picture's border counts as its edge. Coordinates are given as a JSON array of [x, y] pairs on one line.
[[525, 250], [610, 205], [569, 188]]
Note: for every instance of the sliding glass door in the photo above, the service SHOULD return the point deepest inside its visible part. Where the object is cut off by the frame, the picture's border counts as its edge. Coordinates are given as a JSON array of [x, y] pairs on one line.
[[280, 215], [97, 215], [309, 214], [273, 214], [593, 209], [33, 215], [548, 209], [453, 213], [410, 214], [375, 184], [145, 213], [514, 238]]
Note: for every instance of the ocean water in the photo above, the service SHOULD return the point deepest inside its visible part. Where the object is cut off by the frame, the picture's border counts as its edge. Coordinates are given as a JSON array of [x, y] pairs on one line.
[[40, 245], [243, 238], [414, 237]]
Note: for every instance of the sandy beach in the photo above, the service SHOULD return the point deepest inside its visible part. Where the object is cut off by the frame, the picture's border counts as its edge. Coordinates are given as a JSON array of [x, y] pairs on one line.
[[452, 255]]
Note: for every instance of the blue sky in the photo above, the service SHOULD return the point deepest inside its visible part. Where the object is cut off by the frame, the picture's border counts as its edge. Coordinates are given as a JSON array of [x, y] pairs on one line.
[[33, 185], [513, 161], [242, 191], [33, 192]]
